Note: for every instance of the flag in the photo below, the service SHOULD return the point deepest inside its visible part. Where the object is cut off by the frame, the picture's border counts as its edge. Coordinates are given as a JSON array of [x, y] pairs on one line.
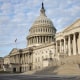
[[15, 40]]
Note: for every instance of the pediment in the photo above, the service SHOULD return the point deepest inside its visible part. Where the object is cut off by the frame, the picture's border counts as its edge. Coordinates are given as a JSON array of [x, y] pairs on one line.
[[13, 51], [73, 26]]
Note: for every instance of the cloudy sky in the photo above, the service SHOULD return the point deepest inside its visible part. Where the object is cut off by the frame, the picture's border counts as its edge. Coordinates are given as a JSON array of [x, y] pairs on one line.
[[17, 16]]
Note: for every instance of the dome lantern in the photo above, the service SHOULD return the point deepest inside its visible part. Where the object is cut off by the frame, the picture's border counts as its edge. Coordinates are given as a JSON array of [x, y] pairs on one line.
[[42, 11]]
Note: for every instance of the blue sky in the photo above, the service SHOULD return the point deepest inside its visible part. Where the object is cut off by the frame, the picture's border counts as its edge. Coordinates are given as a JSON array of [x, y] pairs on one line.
[[17, 16]]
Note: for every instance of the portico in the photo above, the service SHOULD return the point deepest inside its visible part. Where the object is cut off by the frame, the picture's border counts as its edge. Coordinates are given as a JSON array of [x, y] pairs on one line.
[[68, 41]]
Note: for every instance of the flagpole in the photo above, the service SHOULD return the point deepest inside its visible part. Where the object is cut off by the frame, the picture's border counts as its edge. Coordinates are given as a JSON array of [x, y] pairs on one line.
[[16, 42]]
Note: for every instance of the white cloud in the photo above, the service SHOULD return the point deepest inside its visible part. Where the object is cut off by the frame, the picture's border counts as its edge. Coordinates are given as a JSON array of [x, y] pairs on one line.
[[6, 8], [4, 19]]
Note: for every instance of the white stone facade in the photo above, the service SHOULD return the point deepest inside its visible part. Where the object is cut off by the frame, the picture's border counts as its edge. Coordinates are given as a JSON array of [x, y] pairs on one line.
[[45, 45], [42, 54], [1, 63], [6, 63]]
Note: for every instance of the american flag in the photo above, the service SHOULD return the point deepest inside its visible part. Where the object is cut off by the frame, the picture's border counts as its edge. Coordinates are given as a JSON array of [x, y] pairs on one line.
[[15, 40]]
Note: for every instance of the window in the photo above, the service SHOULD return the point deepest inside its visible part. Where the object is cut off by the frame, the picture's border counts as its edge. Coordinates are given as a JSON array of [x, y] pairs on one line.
[[43, 21], [46, 57], [42, 57], [39, 30], [43, 29], [38, 59], [46, 29]]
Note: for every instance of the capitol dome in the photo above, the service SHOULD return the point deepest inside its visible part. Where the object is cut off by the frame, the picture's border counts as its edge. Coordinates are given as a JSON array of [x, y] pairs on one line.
[[42, 30]]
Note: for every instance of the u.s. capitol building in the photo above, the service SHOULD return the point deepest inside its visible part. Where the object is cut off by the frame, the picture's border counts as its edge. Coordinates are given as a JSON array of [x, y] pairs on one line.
[[45, 47]]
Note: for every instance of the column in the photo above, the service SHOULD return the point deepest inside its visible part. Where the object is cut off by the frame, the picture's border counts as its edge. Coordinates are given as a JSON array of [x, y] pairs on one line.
[[28, 58], [16, 58], [30, 40], [56, 48], [39, 39], [79, 43], [60, 46], [52, 38], [74, 44], [33, 40], [64, 45], [42, 39], [13, 58], [24, 58], [36, 39], [45, 39], [49, 39], [69, 46], [27, 41], [19, 58]]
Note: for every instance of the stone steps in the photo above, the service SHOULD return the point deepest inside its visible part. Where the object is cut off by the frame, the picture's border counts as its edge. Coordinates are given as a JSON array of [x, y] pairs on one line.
[[47, 70], [71, 59], [68, 69]]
